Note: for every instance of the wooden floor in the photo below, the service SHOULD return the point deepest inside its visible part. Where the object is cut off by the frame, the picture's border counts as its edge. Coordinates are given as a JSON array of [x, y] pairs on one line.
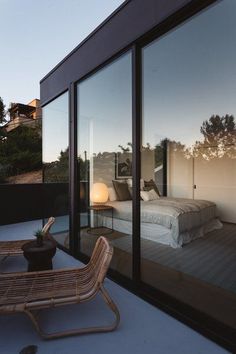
[[211, 259], [201, 274]]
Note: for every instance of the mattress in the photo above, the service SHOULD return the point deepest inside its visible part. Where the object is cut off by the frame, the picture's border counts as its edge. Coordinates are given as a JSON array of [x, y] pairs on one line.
[[175, 221]]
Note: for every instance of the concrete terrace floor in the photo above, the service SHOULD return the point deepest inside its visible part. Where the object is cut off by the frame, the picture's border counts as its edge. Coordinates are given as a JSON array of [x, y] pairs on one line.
[[143, 328]]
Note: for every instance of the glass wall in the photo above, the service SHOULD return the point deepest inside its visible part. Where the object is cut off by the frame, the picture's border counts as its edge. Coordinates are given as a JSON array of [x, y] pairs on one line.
[[188, 165], [56, 166], [105, 160]]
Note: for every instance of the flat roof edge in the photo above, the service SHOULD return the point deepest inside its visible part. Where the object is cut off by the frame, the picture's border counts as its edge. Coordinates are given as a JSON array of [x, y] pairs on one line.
[[119, 8]]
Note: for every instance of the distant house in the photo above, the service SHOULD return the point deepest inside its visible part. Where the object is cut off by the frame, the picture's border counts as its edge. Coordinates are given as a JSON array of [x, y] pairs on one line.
[[24, 114]]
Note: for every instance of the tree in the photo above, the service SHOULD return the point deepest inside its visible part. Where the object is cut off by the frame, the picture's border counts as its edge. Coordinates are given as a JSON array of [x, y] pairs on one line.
[[218, 128], [2, 112], [20, 151], [219, 138], [3, 134], [58, 171], [124, 149]]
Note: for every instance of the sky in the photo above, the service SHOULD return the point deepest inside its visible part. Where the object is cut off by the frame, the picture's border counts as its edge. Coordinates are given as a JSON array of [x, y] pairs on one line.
[[36, 35], [189, 75]]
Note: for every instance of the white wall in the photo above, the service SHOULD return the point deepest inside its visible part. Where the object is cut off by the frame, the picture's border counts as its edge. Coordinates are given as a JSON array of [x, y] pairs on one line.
[[215, 180], [147, 164], [179, 173], [103, 169]]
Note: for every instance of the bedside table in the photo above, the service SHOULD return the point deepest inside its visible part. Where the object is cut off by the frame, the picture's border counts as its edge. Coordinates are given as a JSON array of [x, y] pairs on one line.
[[99, 210]]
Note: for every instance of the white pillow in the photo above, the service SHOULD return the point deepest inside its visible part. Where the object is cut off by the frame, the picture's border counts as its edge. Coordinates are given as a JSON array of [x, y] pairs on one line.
[[112, 194], [130, 183], [149, 195], [153, 194]]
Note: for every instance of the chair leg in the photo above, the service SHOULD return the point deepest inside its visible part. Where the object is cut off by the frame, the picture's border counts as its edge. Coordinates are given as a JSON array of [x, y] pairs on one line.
[[87, 330], [110, 303]]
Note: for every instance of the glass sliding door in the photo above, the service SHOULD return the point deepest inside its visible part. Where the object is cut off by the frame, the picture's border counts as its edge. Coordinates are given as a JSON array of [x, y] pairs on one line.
[[56, 167], [188, 164], [105, 160]]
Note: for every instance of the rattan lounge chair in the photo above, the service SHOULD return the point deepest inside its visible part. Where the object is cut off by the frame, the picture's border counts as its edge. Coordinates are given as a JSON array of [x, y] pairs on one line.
[[11, 248], [33, 291], [14, 248]]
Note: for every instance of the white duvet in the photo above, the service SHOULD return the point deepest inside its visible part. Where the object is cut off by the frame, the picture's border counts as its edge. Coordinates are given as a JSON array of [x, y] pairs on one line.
[[185, 218]]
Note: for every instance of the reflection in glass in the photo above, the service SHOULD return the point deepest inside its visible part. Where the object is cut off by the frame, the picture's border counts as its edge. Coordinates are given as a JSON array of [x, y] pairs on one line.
[[56, 166], [105, 160], [188, 226]]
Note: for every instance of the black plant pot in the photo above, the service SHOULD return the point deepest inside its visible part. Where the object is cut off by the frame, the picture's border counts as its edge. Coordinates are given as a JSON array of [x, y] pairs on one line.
[[39, 241]]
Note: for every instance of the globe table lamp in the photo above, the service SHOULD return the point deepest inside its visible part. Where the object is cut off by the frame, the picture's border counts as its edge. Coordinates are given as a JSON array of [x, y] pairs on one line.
[[99, 193]]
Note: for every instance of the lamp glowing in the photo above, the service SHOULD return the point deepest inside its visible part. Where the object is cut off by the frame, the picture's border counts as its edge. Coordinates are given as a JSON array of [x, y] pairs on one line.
[[99, 193]]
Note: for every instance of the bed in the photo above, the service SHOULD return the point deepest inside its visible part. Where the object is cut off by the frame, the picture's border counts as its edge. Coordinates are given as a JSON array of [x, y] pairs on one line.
[[170, 221]]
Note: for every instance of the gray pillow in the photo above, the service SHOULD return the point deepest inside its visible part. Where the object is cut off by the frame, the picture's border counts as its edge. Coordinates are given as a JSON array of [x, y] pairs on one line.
[[149, 185], [122, 190]]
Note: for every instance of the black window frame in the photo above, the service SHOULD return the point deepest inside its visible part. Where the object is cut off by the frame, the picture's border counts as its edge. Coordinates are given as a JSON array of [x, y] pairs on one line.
[[201, 322]]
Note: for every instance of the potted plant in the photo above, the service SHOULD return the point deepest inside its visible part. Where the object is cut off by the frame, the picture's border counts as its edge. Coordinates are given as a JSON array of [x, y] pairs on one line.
[[44, 233], [39, 253], [39, 234]]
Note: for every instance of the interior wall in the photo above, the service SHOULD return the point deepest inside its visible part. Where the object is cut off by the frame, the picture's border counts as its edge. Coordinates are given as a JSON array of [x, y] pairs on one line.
[[179, 173], [214, 179], [104, 167], [148, 164]]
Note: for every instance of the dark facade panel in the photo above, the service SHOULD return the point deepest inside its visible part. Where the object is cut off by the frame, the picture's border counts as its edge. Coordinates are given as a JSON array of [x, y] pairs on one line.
[[40, 201], [134, 19]]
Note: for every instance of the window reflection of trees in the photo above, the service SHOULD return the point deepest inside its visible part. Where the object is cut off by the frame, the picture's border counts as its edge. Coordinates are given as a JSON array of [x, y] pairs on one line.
[[58, 171], [219, 139]]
